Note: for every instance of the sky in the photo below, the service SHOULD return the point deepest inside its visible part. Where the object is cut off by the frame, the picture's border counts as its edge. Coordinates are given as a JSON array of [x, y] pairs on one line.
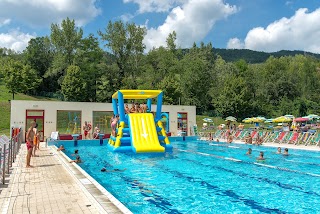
[[262, 25]]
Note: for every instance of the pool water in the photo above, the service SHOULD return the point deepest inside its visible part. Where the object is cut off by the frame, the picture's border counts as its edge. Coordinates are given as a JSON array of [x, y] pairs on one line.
[[208, 177]]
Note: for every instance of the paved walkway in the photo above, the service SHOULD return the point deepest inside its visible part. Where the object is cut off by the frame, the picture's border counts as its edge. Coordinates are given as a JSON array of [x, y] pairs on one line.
[[48, 187]]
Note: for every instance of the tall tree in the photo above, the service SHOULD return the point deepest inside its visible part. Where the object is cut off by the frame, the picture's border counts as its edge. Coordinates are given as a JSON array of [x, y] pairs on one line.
[[66, 39], [73, 85], [39, 55], [125, 43]]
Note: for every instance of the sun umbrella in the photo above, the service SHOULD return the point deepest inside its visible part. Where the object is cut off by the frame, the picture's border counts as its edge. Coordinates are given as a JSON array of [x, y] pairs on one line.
[[230, 118], [269, 120], [258, 119], [302, 119], [208, 120], [289, 115], [282, 119], [313, 116], [247, 120]]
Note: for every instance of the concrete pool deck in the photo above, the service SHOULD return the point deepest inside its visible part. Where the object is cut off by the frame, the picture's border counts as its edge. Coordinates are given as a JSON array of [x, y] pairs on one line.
[[53, 185]]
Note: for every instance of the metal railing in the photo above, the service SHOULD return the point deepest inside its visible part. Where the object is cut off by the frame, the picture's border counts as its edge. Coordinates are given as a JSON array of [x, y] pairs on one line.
[[9, 148]]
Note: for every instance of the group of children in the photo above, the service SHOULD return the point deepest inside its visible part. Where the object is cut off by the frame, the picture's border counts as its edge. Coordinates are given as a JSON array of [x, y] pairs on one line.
[[261, 155], [136, 108]]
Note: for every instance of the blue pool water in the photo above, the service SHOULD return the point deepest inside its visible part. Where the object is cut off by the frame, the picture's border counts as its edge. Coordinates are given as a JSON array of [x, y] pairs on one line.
[[202, 177]]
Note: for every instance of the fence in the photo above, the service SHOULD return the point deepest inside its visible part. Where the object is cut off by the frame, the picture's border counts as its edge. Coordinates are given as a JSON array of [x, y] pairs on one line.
[[9, 148]]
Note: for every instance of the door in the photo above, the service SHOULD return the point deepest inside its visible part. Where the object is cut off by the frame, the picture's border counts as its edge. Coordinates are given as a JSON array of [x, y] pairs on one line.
[[183, 122], [38, 117]]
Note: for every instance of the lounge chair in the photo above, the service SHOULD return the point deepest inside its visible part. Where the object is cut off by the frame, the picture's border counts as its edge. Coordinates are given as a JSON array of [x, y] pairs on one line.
[[305, 137], [294, 138], [281, 137]]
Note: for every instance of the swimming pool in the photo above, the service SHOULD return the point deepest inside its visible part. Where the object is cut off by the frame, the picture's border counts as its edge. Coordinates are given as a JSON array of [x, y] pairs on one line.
[[202, 177]]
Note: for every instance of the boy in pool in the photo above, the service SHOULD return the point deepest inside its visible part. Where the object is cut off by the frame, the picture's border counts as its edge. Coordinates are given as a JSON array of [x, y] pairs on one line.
[[114, 170], [286, 152], [261, 156], [61, 148], [249, 151], [77, 160], [279, 150]]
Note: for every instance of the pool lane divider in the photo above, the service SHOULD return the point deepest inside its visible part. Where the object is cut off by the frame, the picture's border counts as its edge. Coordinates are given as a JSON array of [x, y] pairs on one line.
[[152, 198], [220, 192], [259, 179], [247, 162], [235, 147]]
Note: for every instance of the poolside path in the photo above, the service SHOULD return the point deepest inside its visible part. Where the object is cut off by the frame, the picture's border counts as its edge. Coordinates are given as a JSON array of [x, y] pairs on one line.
[[48, 187]]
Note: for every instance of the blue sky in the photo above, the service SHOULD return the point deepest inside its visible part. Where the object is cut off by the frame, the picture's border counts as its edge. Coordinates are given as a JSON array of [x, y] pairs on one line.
[[264, 25]]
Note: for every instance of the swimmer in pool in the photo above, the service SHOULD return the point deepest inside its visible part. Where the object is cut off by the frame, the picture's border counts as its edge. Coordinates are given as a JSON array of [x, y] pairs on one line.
[[279, 150], [249, 151], [286, 152], [261, 156], [114, 170]]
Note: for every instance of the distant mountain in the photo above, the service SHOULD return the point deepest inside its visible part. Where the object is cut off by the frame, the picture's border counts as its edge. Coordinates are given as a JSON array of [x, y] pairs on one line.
[[232, 55]]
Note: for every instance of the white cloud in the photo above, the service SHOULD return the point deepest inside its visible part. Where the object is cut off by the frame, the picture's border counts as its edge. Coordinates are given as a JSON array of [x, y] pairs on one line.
[[192, 21], [126, 17], [299, 32], [43, 12], [4, 21], [15, 40], [235, 43], [146, 6]]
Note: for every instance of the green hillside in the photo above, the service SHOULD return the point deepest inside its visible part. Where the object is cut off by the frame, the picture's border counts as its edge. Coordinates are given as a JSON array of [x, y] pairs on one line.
[[5, 98], [250, 56]]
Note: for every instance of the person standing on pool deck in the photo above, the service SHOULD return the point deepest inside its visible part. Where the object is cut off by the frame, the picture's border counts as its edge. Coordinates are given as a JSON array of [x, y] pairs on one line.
[[86, 129], [29, 143], [261, 156], [35, 139], [286, 152]]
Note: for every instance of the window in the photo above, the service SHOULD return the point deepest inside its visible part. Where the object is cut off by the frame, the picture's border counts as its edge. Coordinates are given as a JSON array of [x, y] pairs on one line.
[[69, 122], [102, 120], [183, 122]]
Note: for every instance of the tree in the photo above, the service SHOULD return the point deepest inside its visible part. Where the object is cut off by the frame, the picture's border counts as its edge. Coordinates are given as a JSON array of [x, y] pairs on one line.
[[234, 98], [20, 78], [66, 39], [125, 43], [171, 41], [39, 56], [73, 85], [170, 85]]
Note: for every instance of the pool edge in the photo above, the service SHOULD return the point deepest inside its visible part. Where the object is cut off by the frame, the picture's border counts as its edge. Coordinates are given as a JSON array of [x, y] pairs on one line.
[[99, 187]]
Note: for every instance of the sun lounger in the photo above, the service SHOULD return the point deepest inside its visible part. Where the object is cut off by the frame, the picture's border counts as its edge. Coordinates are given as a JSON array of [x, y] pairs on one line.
[[281, 137], [305, 137], [294, 138]]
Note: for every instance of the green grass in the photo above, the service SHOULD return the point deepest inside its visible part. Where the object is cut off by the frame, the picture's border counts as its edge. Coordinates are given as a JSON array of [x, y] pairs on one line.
[[5, 107]]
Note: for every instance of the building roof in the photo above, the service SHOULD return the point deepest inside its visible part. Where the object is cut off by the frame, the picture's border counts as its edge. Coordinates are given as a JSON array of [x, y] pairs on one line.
[[137, 94]]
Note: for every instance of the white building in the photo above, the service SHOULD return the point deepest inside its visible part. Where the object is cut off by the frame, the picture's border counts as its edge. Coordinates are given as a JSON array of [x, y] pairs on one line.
[[69, 117]]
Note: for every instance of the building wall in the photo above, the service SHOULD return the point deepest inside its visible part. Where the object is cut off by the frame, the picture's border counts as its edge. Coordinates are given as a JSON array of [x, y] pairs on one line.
[[19, 107]]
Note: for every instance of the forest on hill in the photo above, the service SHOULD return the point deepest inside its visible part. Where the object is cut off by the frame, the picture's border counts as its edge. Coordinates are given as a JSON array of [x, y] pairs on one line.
[[70, 66]]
